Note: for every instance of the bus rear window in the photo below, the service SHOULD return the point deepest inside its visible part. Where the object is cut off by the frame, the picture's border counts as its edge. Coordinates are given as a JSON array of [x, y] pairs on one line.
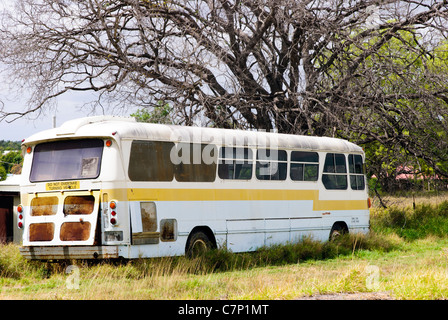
[[67, 160]]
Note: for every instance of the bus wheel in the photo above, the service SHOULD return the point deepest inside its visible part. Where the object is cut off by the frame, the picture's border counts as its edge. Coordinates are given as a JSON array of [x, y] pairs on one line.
[[338, 230], [198, 244]]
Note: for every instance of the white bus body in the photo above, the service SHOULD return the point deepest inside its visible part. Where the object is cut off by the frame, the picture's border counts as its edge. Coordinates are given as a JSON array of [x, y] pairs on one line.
[[107, 187]]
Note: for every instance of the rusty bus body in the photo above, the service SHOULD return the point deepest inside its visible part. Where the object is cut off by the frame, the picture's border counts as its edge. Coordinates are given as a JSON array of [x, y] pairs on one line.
[[108, 187]]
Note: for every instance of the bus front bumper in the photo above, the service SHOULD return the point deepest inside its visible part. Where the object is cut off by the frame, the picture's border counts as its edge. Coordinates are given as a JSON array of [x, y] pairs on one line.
[[64, 252]]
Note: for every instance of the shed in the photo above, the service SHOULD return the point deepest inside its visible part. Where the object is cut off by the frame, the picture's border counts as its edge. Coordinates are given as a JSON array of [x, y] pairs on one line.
[[9, 200]]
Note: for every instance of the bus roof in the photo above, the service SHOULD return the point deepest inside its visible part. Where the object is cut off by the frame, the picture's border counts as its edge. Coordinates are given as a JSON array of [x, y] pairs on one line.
[[127, 128]]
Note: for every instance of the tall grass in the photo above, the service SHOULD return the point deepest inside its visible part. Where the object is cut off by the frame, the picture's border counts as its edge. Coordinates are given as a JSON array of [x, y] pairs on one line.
[[207, 275], [412, 223], [386, 224], [13, 266], [292, 253]]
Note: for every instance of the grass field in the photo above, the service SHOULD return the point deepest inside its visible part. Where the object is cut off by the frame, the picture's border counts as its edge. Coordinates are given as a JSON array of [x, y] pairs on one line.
[[404, 257]]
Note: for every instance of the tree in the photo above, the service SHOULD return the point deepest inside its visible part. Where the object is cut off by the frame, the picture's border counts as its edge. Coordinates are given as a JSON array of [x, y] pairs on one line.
[[160, 114], [365, 70], [11, 159], [413, 126]]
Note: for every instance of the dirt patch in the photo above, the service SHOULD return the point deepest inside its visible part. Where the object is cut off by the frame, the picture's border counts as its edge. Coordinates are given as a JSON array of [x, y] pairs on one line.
[[350, 296]]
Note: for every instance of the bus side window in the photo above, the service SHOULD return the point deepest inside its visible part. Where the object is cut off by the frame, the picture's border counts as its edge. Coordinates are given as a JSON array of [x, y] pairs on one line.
[[271, 164], [150, 161], [195, 162], [168, 230], [235, 163], [335, 172], [148, 214], [304, 166], [356, 169]]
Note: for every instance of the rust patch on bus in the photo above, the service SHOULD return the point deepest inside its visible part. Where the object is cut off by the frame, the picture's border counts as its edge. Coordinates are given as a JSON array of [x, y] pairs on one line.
[[44, 206], [75, 231], [79, 205], [41, 231]]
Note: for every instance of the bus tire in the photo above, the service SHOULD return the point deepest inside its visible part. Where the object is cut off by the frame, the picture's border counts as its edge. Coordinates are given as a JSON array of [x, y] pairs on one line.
[[198, 243], [338, 229]]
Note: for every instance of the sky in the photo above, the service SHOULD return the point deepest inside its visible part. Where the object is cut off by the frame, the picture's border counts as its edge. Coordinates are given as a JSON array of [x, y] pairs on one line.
[[22, 128], [68, 106]]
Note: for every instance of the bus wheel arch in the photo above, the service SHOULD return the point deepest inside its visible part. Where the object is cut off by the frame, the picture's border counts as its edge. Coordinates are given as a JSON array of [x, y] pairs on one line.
[[200, 238], [339, 228]]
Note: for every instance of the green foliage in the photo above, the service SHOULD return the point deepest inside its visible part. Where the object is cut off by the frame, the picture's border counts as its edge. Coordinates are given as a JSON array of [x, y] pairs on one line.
[[10, 157], [9, 145], [162, 113], [412, 224], [3, 173], [404, 129]]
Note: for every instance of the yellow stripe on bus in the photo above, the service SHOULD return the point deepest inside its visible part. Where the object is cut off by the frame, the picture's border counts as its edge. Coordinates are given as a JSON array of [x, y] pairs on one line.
[[144, 194], [220, 194], [243, 195]]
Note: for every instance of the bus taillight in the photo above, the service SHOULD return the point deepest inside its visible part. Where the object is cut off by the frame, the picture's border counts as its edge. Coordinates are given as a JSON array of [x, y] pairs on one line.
[[113, 206], [20, 217], [113, 220]]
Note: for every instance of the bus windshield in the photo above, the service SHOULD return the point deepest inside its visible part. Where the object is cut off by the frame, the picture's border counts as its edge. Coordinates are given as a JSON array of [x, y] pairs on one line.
[[67, 160]]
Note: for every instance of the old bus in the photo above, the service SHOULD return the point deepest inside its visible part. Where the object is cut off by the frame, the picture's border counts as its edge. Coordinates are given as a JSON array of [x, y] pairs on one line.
[[109, 187]]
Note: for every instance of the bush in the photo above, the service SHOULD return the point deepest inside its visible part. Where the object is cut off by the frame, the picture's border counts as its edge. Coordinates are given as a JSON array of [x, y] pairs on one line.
[[411, 224]]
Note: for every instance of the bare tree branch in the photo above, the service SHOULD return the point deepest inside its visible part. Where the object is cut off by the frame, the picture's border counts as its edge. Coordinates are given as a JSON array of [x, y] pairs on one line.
[[368, 70]]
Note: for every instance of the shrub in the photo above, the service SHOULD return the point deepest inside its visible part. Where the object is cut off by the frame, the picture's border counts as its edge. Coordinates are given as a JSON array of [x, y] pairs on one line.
[[411, 224]]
